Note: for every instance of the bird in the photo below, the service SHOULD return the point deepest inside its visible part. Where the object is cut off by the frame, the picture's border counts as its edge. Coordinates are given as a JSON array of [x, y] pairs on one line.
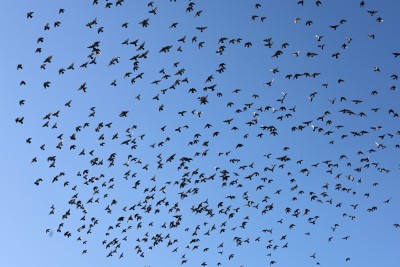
[[29, 15]]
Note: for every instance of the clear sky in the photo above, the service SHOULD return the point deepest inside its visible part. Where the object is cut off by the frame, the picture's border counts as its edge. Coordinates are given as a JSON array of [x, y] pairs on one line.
[[232, 133]]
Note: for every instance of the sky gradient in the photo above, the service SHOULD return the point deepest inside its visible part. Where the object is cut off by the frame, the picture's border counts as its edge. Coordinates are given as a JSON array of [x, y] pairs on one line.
[[360, 150]]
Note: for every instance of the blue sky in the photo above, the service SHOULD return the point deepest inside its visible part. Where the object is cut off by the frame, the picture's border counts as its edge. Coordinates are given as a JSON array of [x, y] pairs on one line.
[[240, 94]]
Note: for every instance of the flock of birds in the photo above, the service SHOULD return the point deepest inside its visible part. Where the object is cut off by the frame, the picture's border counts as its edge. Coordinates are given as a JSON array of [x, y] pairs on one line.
[[140, 186]]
